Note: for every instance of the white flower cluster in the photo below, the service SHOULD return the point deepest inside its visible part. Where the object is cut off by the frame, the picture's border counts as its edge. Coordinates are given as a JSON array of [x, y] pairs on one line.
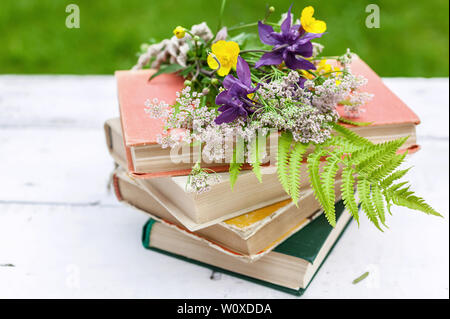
[[188, 121], [346, 59], [200, 181], [173, 50], [357, 99], [156, 108], [344, 91]]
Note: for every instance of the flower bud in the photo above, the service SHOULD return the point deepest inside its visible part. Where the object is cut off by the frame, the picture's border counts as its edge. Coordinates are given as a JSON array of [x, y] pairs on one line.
[[187, 83], [214, 81], [271, 9], [179, 32], [205, 91], [196, 38]]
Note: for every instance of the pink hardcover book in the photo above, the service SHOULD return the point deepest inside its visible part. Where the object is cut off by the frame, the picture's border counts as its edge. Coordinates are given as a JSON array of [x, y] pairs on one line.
[[390, 118]]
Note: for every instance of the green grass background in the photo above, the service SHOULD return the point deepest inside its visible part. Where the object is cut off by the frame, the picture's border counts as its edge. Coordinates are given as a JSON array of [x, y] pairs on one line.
[[412, 40]]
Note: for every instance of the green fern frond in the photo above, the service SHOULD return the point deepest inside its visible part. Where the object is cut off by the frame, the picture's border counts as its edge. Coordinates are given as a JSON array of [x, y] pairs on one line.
[[328, 177], [342, 144], [284, 147], [314, 176], [295, 162], [235, 166], [348, 192], [404, 197], [387, 167], [393, 177], [383, 153], [378, 201], [351, 136], [366, 202], [347, 121], [395, 187]]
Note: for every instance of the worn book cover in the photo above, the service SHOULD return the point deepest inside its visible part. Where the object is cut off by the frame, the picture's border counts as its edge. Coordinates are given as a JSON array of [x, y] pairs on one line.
[[247, 237], [307, 245]]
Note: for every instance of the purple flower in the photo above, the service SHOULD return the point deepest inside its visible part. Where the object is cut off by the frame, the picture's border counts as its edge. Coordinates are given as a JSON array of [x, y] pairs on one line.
[[287, 45], [234, 99]]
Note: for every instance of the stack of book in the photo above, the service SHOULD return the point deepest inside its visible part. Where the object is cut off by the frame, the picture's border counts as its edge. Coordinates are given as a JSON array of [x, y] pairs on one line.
[[253, 231]]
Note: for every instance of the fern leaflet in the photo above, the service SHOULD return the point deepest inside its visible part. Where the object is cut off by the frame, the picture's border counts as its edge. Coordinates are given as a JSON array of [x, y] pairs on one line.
[[284, 147], [348, 192], [328, 179], [351, 136], [366, 203], [295, 162], [378, 201], [314, 176], [393, 177], [404, 197]]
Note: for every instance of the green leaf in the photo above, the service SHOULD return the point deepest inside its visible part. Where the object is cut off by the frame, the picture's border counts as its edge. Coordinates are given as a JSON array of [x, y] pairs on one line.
[[366, 202], [295, 162], [404, 197], [328, 177], [386, 168], [347, 121], [284, 148], [378, 201], [314, 176], [185, 72], [351, 136], [393, 177], [170, 68], [348, 192], [379, 154]]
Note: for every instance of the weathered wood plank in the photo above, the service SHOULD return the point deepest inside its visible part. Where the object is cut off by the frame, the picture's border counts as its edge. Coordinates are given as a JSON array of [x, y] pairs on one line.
[[57, 101], [54, 165]]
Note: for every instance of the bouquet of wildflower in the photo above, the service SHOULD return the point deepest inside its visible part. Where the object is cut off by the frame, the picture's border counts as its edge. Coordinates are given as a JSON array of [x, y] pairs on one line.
[[240, 89]]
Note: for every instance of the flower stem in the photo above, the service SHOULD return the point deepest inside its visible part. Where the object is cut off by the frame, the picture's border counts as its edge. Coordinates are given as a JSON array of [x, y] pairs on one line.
[[248, 25]]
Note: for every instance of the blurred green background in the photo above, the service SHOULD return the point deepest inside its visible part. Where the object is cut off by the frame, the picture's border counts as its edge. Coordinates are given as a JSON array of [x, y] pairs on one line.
[[412, 39]]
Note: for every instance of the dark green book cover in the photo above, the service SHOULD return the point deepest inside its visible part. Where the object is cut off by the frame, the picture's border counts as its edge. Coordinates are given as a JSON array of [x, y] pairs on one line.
[[305, 244]]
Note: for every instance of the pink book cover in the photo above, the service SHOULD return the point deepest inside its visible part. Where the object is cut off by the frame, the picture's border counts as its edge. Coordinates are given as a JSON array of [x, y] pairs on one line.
[[385, 108], [139, 129], [134, 88]]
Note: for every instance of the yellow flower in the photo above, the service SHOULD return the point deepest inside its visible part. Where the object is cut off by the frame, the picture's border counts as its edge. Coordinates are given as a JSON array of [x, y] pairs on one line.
[[307, 75], [227, 53], [310, 24], [179, 32], [324, 67]]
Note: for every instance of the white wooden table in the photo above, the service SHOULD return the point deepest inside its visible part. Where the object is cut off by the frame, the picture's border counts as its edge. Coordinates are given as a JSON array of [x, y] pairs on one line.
[[63, 235]]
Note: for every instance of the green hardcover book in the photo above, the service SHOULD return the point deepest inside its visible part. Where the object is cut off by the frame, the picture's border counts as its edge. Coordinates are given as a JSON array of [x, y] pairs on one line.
[[290, 267]]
